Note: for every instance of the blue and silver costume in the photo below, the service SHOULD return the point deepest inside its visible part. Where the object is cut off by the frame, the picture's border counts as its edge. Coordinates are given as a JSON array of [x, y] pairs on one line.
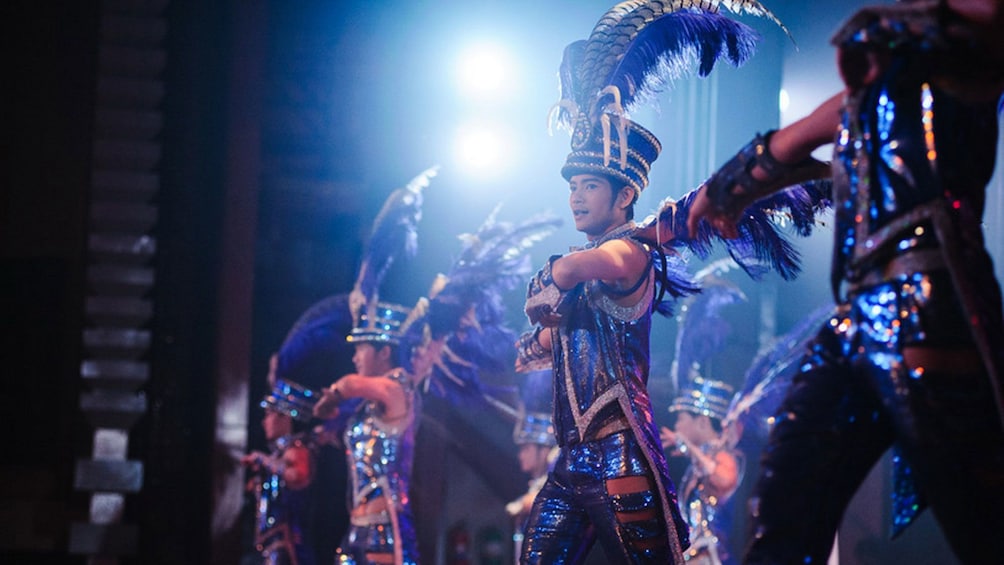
[[704, 501], [281, 536], [605, 427], [380, 455], [707, 513], [600, 349], [912, 160]]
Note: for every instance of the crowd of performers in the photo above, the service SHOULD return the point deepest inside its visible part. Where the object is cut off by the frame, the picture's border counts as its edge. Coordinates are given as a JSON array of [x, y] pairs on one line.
[[909, 356]]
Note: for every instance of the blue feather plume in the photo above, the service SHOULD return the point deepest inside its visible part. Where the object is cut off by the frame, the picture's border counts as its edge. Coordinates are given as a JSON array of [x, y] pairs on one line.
[[675, 279], [640, 46], [702, 328], [762, 244], [468, 310], [493, 260], [669, 47], [314, 347], [394, 234]]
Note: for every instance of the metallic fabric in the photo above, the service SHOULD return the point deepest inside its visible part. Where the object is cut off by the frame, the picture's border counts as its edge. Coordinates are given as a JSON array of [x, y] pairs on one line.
[[853, 400], [380, 455], [912, 160], [707, 514], [600, 358], [573, 510], [280, 513]]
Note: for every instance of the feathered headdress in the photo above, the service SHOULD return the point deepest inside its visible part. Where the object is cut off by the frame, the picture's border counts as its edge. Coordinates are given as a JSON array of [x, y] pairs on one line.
[[315, 350], [315, 345], [466, 307], [634, 50], [394, 234], [702, 328]]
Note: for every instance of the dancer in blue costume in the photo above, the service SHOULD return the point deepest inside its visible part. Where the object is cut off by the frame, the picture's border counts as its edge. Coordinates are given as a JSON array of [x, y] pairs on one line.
[[379, 441], [534, 435], [912, 359], [283, 533], [715, 469], [593, 307], [440, 346]]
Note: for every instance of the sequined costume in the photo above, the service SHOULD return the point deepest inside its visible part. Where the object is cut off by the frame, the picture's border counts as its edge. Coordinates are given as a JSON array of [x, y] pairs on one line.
[[912, 160], [707, 514], [604, 425], [380, 455], [281, 536], [598, 344], [716, 467]]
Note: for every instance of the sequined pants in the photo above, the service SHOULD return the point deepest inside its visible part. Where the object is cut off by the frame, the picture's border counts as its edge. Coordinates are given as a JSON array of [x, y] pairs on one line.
[[374, 543], [573, 509], [854, 399]]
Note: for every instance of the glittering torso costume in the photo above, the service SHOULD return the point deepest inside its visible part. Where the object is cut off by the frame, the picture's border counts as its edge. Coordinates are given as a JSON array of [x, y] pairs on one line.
[[380, 455], [281, 536], [706, 513], [912, 160], [604, 425]]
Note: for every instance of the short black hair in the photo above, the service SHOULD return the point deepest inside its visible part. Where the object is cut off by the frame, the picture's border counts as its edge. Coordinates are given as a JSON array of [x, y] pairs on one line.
[[616, 186]]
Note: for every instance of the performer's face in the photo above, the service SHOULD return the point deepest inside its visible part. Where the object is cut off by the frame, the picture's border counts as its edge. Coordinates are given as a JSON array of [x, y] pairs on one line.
[[686, 425], [696, 428], [276, 424], [595, 207], [533, 458], [371, 360]]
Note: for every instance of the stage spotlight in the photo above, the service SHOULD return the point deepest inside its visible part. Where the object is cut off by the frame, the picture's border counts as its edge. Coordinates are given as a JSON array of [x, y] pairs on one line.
[[483, 149], [783, 100], [485, 70]]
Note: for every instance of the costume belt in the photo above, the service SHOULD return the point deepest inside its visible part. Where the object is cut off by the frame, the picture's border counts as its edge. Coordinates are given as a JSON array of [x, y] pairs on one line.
[[610, 428], [371, 513], [875, 259], [948, 256], [376, 519], [913, 261]]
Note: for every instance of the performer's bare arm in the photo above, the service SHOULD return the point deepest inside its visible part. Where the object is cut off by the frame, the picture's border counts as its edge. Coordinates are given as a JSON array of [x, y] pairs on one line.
[[618, 263], [383, 390], [789, 144]]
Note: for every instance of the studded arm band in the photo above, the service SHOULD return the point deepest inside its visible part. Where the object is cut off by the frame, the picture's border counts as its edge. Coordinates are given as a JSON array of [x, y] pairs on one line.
[[732, 187], [530, 354], [542, 295]]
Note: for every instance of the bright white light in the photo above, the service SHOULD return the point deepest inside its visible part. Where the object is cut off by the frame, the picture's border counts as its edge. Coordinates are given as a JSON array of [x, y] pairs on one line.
[[483, 149], [485, 70], [783, 100]]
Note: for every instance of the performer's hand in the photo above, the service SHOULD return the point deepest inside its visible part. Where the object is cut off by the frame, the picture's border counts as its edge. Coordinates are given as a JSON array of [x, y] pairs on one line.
[[668, 437], [255, 460], [324, 436], [657, 230], [701, 209], [543, 297], [544, 315], [327, 406]]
